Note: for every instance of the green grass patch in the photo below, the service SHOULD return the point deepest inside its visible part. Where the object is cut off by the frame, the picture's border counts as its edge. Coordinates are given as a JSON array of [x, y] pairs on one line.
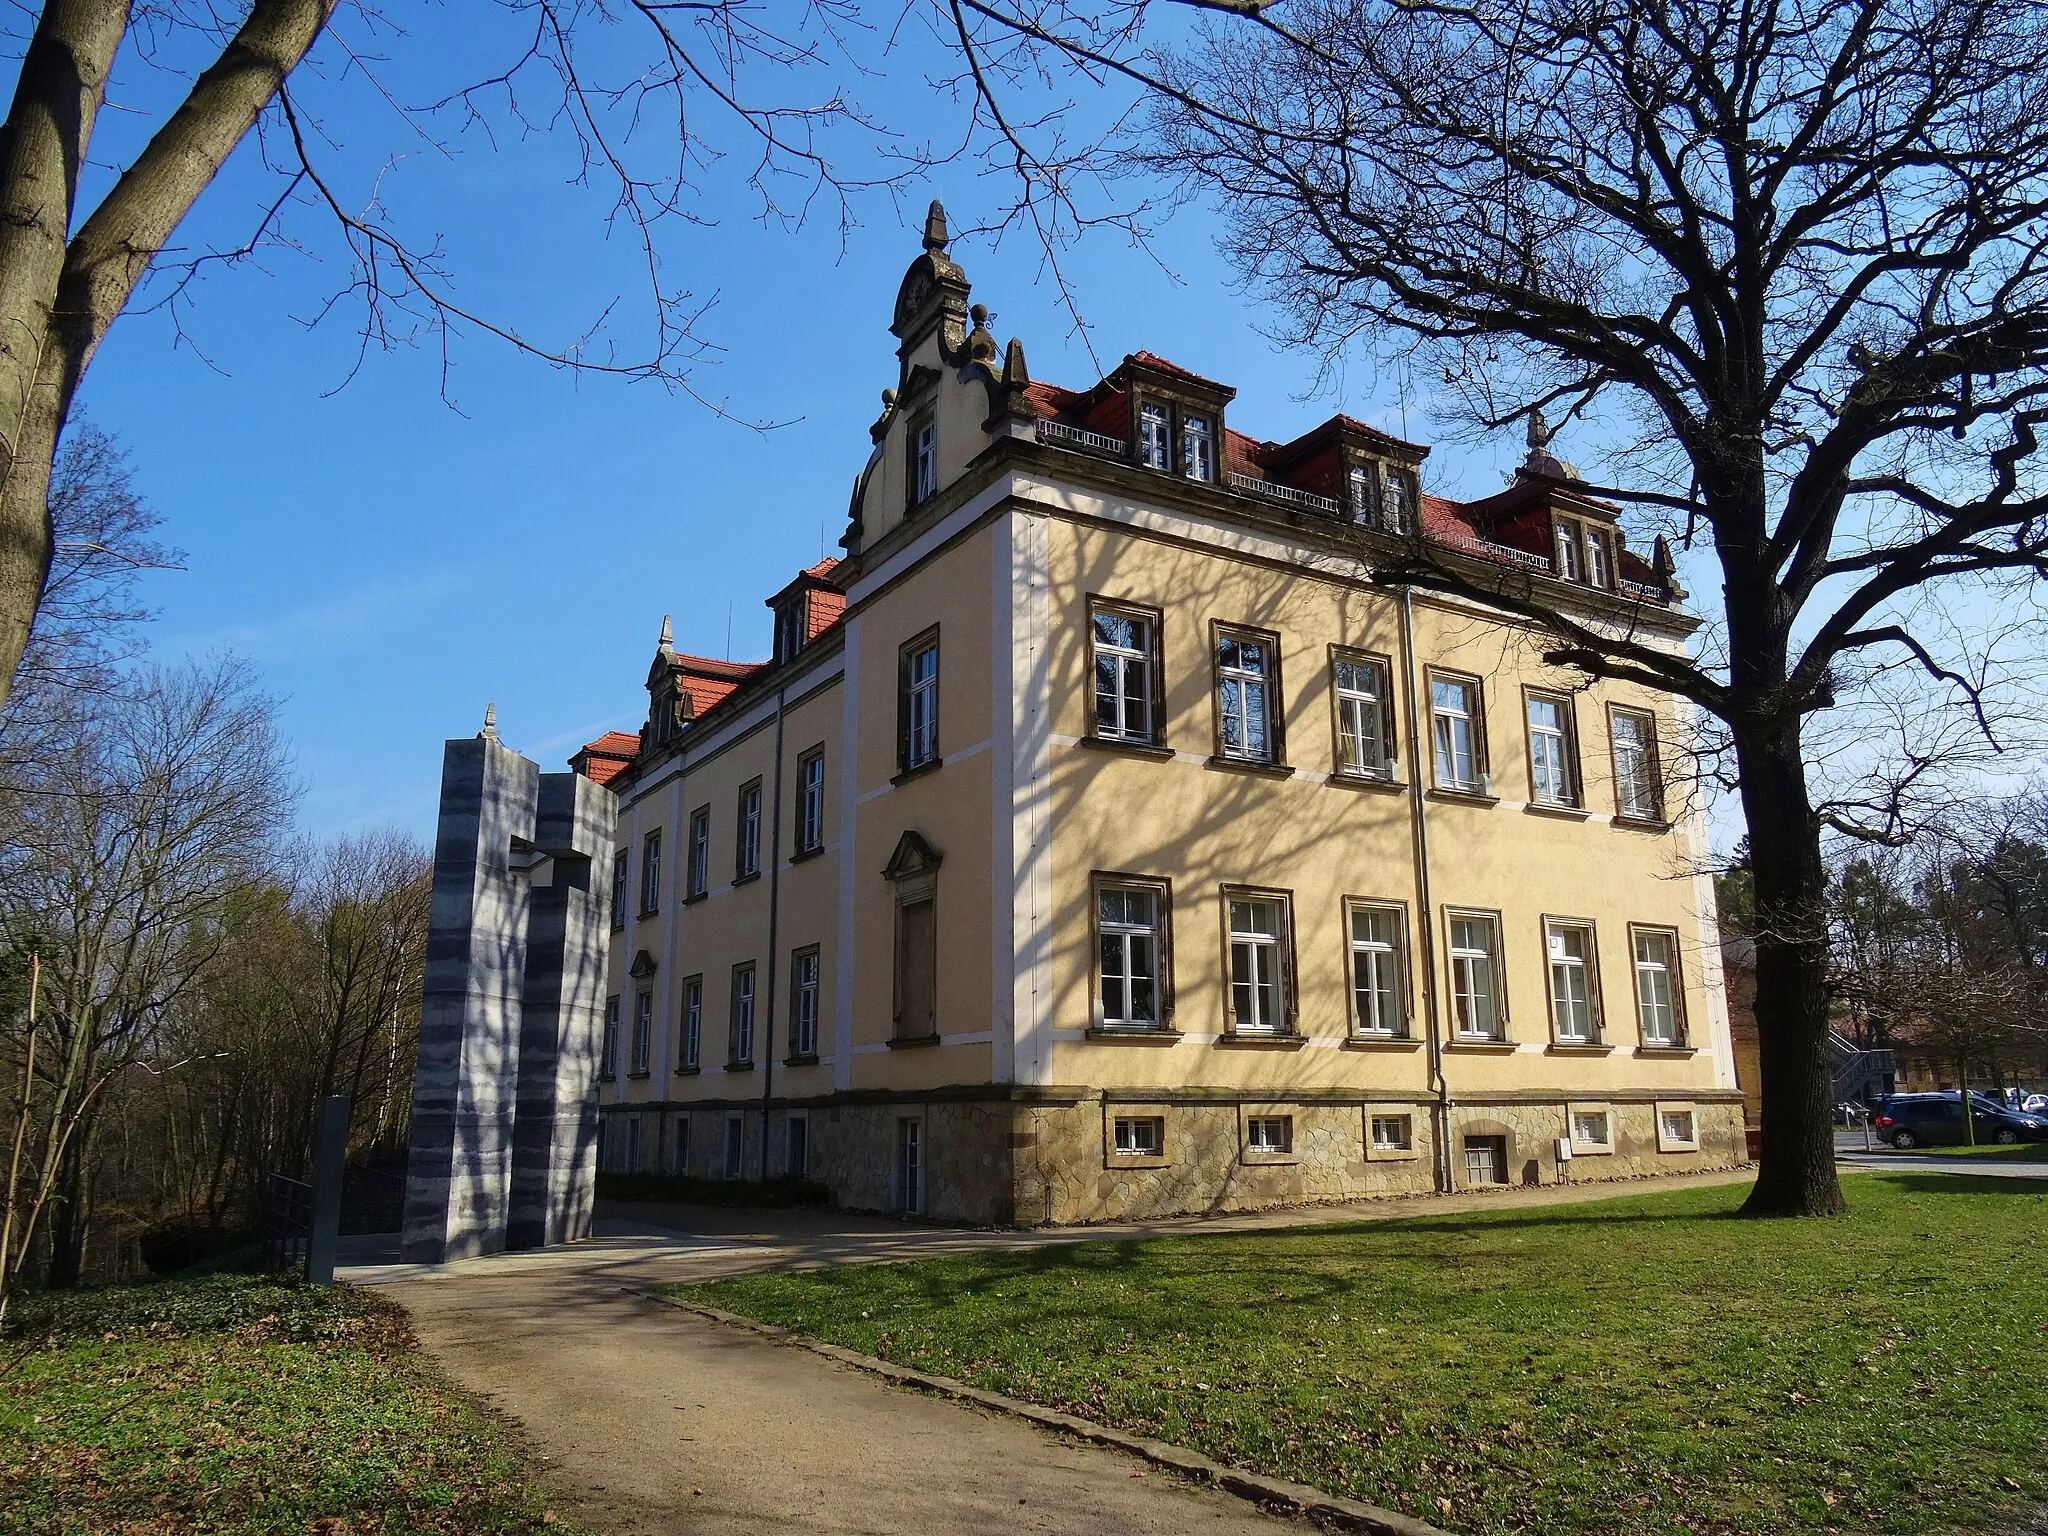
[[772, 1194], [1648, 1364], [2025, 1152], [235, 1405]]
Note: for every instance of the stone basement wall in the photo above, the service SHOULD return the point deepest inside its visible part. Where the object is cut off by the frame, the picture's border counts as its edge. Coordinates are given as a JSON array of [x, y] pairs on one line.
[[998, 1162]]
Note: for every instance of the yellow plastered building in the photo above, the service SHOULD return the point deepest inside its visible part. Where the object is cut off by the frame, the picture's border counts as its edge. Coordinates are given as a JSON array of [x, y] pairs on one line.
[[1106, 838]]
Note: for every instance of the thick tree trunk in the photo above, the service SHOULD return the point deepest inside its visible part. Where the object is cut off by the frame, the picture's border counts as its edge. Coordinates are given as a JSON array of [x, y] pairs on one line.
[[1796, 1175]]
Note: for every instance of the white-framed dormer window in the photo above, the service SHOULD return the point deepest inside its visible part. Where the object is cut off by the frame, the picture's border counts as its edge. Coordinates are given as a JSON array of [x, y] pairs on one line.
[[1128, 931], [924, 460], [1569, 566], [1599, 560], [1574, 1011], [1363, 483], [1475, 996], [1155, 436], [1553, 776], [1657, 992], [1197, 448], [1457, 726], [1244, 668], [1364, 717], [1125, 660], [1377, 1006], [1397, 501], [1258, 942]]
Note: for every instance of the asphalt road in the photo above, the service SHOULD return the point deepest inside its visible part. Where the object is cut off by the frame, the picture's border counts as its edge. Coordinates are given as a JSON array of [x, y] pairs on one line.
[[1850, 1153]]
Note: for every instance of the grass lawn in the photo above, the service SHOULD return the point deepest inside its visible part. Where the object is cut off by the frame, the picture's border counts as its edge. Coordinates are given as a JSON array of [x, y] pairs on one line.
[[1645, 1364], [240, 1405]]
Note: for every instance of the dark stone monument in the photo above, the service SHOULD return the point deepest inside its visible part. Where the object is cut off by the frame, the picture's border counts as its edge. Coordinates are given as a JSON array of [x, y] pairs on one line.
[[504, 1108]]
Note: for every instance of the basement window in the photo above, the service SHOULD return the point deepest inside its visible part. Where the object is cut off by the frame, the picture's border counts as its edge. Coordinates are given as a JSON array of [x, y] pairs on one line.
[[1140, 1136]]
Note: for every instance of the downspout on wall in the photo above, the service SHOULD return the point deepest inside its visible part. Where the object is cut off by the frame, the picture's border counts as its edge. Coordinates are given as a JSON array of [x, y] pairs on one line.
[[774, 915], [1440, 1129]]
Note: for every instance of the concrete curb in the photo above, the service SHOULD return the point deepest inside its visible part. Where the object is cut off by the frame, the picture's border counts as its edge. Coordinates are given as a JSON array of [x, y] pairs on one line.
[[1295, 1498]]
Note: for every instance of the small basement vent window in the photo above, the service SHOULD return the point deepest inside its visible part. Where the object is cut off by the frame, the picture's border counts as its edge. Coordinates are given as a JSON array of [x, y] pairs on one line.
[[1677, 1125], [1392, 1133], [1140, 1136], [1270, 1133], [1589, 1128]]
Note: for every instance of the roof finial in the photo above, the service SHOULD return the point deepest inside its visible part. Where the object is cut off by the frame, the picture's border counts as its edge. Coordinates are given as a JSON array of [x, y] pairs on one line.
[[668, 638], [490, 730], [1539, 429], [935, 235]]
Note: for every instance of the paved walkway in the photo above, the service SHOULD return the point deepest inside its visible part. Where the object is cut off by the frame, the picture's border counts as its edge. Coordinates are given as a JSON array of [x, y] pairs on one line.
[[655, 1421]]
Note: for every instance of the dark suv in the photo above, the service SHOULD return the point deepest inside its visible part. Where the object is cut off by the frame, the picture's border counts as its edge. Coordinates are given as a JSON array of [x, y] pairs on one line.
[[1936, 1120]]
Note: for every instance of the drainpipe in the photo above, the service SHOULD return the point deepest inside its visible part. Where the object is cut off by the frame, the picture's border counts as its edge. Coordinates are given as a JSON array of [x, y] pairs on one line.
[[1440, 1137], [774, 913]]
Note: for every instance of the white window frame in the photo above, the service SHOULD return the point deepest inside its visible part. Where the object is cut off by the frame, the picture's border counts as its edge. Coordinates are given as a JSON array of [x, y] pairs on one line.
[[608, 1049], [810, 801], [1673, 1137], [1397, 500], [621, 877], [1570, 558], [1465, 959], [1405, 1140], [642, 1049], [740, 1024], [924, 460], [1129, 940], [1244, 694], [691, 1021], [806, 970], [1129, 699], [1454, 729], [1574, 980], [650, 873], [700, 850], [1637, 794], [1378, 969], [1587, 1145], [1262, 957], [1362, 750], [1672, 1003], [747, 856], [1553, 765], [1198, 447], [1155, 435], [1260, 1135], [1368, 506], [1599, 560], [921, 706], [1129, 1133]]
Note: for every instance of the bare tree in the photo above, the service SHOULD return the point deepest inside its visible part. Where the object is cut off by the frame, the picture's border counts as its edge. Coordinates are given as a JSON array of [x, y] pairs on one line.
[[707, 80], [119, 849], [1794, 256]]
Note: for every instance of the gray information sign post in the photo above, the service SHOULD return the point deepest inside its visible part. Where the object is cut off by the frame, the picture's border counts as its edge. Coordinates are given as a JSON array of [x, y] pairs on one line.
[[330, 1154]]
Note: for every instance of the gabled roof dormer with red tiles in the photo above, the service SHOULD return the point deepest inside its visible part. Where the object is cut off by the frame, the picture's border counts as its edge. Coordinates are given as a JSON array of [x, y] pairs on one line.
[[606, 758]]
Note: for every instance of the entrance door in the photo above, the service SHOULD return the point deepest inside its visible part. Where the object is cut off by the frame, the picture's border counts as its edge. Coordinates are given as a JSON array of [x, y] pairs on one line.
[[1486, 1159]]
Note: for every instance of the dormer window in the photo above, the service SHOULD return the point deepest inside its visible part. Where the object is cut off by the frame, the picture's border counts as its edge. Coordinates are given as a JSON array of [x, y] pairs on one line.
[[1155, 436], [1568, 563], [789, 628], [1363, 483], [1397, 501], [1599, 564], [924, 460], [1197, 448], [1585, 553]]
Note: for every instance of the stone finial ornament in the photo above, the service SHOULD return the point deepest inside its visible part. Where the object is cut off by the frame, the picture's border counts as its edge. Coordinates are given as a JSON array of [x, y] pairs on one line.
[[490, 730], [1665, 568], [668, 635], [981, 346], [1541, 462], [1015, 374], [935, 234]]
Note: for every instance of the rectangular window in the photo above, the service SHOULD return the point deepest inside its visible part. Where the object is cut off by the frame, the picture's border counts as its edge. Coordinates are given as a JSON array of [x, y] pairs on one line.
[[1637, 794], [650, 873], [747, 847], [1568, 563], [1475, 951], [924, 460], [789, 629], [1126, 665], [1129, 924], [1365, 716], [735, 1147], [1398, 499], [608, 1052], [1392, 1133], [803, 1002], [1553, 754], [1269, 1133], [1260, 1000], [1140, 1136], [917, 969], [1155, 433], [679, 1145], [1246, 667], [620, 861], [1599, 560], [740, 1039], [1363, 482], [1590, 1131], [918, 703], [1459, 730], [810, 801], [1486, 1159], [910, 1167], [1658, 996], [635, 1148], [700, 850], [1377, 998], [1574, 998], [796, 1154], [1197, 448], [1676, 1130], [643, 1032], [692, 1043]]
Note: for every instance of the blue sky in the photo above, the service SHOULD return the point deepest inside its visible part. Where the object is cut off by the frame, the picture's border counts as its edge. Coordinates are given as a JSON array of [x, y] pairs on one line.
[[392, 562]]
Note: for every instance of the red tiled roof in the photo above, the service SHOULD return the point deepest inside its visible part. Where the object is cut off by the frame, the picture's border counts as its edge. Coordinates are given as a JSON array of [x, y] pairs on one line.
[[825, 611], [614, 744], [606, 758], [1052, 398], [1162, 365]]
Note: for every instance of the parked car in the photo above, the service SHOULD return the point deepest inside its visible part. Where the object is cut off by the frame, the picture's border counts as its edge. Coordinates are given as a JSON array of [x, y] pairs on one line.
[[1936, 1120]]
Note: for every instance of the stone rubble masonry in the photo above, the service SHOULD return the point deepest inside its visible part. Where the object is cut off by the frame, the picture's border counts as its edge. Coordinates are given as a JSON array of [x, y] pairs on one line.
[[996, 1157], [504, 1116]]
